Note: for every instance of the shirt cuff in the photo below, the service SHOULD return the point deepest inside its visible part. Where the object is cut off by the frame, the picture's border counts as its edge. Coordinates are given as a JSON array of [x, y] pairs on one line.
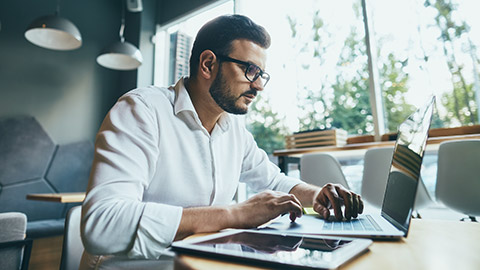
[[286, 184], [156, 230]]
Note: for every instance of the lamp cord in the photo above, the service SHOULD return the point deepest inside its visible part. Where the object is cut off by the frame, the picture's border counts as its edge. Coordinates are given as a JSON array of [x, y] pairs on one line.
[[57, 11], [122, 26]]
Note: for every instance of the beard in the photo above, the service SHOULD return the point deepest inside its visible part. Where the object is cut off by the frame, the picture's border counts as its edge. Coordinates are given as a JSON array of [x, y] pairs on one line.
[[221, 92]]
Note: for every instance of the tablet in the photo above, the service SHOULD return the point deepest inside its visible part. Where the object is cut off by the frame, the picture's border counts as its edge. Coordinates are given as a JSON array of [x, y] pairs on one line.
[[274, 249]]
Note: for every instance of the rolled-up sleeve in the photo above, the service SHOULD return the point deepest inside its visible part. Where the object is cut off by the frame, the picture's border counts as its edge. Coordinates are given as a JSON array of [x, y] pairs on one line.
[[114, 217]]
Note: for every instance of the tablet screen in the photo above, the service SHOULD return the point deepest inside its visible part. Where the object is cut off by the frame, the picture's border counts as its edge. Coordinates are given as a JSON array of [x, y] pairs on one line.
[[279, 245], [311, 251]]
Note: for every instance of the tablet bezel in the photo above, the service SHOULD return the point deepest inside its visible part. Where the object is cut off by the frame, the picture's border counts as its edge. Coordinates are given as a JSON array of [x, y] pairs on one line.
[[343, 254]]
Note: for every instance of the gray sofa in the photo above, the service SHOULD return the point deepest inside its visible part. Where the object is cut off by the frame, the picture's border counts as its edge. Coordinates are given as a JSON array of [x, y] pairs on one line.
[[30, 162]]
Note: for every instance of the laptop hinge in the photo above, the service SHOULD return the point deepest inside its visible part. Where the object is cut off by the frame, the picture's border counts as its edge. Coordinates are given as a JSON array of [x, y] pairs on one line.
[[395, 223]]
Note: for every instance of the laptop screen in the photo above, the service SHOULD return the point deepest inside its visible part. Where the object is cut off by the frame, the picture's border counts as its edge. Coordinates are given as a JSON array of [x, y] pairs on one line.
[[404, 172]]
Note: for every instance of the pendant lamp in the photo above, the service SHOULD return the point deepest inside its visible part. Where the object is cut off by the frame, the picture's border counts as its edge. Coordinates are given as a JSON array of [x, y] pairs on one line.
[[54, 32], [121, 55]]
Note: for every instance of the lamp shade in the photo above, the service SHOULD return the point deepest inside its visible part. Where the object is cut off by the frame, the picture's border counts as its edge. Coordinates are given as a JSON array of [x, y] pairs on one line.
[[55, 33], [120, 56]]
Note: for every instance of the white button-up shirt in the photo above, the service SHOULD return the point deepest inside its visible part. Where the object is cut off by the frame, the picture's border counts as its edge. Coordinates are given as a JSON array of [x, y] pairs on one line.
[[152, 158]]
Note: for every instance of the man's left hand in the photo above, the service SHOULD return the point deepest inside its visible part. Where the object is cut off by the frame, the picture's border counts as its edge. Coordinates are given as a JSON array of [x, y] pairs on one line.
[[334, 196]]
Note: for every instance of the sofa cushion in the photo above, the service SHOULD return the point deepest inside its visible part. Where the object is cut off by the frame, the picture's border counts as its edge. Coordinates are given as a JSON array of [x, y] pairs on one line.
[[70, 167], [32, 163], [26, 150]]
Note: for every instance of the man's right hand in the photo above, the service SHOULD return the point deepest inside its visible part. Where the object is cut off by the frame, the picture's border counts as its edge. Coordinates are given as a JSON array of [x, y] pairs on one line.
[[264, 207], [251, 213]]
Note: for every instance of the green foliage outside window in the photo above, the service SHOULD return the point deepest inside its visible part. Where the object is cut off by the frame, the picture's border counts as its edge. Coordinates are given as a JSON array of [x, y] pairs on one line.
[[393, 82], [350, 107], [266, 126], [460, 103], [341, 100]]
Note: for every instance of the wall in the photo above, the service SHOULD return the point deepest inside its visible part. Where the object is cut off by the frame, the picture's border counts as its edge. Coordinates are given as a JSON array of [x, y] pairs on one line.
[[67, 91], [147, 47]]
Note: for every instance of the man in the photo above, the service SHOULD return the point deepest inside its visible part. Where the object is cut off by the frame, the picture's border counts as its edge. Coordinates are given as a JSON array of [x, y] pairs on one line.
[[168, 160]]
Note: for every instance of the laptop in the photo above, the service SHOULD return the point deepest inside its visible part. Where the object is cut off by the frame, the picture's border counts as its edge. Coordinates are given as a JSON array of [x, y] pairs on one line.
[[399, 198]]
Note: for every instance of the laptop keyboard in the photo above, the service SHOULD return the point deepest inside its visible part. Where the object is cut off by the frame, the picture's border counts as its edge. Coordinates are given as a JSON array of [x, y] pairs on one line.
[[364, 223]]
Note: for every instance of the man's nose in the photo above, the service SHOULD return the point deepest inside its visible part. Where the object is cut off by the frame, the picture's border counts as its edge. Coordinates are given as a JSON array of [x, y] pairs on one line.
[[258, 84]]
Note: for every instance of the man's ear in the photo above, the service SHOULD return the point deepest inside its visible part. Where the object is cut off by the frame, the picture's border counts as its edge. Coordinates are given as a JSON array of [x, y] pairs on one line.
[[207, 62]]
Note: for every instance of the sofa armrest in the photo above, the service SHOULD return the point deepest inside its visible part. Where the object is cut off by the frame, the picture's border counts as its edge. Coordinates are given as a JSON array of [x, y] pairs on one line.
[[45, 228]]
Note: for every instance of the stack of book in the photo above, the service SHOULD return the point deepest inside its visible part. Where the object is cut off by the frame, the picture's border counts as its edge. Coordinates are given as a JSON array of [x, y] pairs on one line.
[[314, 138]]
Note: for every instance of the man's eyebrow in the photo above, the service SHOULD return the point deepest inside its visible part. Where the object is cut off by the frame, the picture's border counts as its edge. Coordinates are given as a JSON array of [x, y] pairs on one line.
[[252, 63]]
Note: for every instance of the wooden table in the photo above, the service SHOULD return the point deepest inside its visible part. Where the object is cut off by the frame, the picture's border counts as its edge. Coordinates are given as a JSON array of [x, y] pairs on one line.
[[286, 156], [72, 197], [431, 244]]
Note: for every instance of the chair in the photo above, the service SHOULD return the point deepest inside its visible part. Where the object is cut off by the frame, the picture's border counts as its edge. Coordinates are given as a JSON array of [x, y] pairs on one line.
[[14, 248], [72, 242], [376, 168], [458, 176], [320, 168]]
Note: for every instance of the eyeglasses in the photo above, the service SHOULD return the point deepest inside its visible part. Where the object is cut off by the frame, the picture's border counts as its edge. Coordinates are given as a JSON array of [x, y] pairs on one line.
[[252, 71]]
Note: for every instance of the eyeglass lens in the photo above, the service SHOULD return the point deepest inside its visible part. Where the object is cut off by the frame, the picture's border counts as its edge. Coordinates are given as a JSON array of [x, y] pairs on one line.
[[253, 72]]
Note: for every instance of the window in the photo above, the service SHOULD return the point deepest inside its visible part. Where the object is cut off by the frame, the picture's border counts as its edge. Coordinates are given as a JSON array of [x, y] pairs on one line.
[[174, 42], [319, 64], [428, 47], [318, 67]]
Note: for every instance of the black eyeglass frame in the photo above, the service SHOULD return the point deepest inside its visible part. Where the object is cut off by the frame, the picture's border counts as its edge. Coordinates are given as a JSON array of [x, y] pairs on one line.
[[264, 75]]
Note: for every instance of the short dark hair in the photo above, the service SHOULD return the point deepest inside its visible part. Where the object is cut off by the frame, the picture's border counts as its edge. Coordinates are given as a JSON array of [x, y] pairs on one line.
[[217, 35]]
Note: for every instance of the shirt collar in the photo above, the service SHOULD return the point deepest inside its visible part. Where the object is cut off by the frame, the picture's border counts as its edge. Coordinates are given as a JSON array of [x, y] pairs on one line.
[[184, 103], [224, 121], [182, 98]]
